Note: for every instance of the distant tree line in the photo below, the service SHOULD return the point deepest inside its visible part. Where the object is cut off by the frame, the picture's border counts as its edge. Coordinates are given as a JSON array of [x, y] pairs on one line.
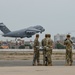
[[59, 46]]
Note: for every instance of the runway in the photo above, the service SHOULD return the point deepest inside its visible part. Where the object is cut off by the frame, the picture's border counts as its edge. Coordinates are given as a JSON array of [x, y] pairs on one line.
[[11, 63]]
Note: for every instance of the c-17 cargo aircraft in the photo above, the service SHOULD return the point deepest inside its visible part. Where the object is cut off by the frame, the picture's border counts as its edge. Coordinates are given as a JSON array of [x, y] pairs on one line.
[[27, 32]]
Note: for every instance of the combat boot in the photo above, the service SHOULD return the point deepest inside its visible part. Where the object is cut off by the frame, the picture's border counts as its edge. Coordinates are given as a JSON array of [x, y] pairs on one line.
[[44, 64], [34, 64], [70, 63], [67, 65], [49, 64], [38, 64]]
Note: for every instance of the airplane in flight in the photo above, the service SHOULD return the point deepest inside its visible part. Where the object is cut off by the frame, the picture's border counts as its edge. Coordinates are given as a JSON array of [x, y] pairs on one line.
[[27, 32]]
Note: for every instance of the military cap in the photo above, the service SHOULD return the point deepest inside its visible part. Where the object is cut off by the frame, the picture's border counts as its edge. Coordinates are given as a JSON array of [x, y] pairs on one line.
[[68, 35], [37, 35], [49, 35], [46, 35]]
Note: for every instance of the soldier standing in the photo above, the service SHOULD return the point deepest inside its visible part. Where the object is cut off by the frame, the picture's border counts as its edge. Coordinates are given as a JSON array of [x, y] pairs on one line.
[[49, 47], [36, 50], [68, 43], [44, 48]]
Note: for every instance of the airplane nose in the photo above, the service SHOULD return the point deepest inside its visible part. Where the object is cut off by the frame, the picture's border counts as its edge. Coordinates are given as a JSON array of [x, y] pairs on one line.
[[43, 30]]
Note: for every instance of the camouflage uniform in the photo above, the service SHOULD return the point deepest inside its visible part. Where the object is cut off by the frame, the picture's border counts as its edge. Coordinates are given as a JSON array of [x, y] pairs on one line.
[[36, 51], [49, 45], [44, 49], [68, 43]]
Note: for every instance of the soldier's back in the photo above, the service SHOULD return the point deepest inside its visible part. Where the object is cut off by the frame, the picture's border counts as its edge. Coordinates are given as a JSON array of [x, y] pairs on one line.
[[44, 42]]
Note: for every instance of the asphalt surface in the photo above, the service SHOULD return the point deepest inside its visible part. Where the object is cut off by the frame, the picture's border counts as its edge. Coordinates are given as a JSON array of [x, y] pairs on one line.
[[10, 63]]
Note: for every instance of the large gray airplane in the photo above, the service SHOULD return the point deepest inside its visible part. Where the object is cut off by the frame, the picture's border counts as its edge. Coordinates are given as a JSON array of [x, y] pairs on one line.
[[27, 32]]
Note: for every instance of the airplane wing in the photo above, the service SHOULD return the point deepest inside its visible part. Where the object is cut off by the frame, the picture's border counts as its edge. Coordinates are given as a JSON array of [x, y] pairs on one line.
[[32, 30]]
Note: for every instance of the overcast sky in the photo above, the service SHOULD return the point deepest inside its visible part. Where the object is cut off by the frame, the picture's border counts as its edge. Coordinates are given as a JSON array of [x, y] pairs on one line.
[[56, 16]]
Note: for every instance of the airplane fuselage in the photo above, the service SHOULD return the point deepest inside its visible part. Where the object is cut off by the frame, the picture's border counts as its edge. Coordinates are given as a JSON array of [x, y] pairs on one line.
[[21, 33], [27, 32]]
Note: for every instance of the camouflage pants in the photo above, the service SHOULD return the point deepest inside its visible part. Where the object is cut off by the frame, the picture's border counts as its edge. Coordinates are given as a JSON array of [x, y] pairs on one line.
[[69, 56], [36, 57], [49, 53], [44, 53]]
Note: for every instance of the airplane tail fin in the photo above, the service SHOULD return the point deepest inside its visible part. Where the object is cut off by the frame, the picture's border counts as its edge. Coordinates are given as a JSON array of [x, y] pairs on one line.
[[4, 29]]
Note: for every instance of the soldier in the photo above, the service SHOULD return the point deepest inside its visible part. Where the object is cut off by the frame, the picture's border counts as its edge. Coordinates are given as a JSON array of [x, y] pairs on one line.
[[49, 47], [68, 43], [36, 50], [44, 48]]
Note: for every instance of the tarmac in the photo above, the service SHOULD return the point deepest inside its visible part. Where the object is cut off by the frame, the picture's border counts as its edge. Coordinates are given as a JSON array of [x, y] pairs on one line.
[[24, 63], [38, 70], [8, 67]]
